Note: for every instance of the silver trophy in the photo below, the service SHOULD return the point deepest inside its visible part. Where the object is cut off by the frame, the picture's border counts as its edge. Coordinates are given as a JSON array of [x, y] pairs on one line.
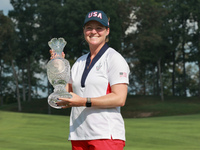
[[58, 72]]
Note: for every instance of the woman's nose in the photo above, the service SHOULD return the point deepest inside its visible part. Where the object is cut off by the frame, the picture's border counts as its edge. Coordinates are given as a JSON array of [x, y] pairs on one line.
[[93, 31]]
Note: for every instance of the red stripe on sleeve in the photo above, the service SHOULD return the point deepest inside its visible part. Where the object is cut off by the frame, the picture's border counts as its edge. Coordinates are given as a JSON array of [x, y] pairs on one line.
[[108, 89]]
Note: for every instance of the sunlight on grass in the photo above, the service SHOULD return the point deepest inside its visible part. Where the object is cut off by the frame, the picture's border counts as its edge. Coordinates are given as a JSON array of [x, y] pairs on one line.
[[21, 131], [163, 133]]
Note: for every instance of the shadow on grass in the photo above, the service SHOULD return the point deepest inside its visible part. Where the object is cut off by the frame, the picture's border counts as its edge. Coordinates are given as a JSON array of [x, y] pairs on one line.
[[136, 107]]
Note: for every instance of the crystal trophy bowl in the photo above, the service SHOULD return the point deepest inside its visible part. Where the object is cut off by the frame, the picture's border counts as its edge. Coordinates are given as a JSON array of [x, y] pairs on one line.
[[58, 72]]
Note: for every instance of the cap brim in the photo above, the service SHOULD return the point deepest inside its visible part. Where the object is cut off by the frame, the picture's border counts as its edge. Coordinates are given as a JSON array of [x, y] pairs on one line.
[[95, 19]]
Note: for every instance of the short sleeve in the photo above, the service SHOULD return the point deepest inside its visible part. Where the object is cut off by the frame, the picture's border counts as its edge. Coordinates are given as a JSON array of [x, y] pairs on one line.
[[118, 69], [70, 80]]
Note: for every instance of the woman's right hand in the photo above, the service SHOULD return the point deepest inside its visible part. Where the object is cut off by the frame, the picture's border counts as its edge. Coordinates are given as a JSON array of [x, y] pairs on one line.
[[53, 54]]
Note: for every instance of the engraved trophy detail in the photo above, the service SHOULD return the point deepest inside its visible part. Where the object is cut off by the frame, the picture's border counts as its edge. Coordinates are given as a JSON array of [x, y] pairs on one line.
[[58, 72]]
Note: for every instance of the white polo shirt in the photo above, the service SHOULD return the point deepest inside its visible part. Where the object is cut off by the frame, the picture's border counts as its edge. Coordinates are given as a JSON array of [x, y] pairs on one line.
[[89, 123]]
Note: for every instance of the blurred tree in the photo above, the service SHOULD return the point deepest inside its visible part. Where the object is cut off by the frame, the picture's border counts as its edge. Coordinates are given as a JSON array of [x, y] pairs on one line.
[[195, 33], [149, 41], [8, 54], [181, 14], [152, 36], [24, 18]]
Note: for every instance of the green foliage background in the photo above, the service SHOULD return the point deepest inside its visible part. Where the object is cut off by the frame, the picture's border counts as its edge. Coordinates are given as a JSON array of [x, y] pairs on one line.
[[162, 48]]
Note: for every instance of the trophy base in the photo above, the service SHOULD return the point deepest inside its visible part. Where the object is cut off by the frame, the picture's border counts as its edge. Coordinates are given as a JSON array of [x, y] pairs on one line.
[[53, 98]]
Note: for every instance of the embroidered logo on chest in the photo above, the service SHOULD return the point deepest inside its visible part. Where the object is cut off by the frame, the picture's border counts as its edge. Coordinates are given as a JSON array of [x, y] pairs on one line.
[[98, 67]]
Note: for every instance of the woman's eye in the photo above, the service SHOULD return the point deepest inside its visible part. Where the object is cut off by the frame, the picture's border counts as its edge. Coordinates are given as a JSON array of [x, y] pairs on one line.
[[88, 28]]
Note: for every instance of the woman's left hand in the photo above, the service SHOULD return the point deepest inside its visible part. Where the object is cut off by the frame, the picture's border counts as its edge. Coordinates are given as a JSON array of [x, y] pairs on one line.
[[75, 101]]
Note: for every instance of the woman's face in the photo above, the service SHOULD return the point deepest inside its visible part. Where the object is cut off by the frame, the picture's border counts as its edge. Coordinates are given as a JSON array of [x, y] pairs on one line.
[[95, 33]]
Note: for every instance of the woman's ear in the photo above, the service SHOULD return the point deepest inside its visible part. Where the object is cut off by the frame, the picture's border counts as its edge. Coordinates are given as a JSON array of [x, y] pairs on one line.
[[108, 31]]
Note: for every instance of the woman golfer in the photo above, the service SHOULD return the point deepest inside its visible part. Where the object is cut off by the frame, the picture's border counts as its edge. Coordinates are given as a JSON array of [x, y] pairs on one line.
[[98, 85]]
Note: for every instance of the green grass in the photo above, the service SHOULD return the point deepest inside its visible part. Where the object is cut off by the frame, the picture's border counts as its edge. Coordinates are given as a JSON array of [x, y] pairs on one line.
[[171, 125], [23, 131], [163, 133]]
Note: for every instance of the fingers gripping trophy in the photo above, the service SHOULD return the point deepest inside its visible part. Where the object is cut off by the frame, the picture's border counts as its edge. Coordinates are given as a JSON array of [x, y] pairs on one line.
[[58, 72]]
